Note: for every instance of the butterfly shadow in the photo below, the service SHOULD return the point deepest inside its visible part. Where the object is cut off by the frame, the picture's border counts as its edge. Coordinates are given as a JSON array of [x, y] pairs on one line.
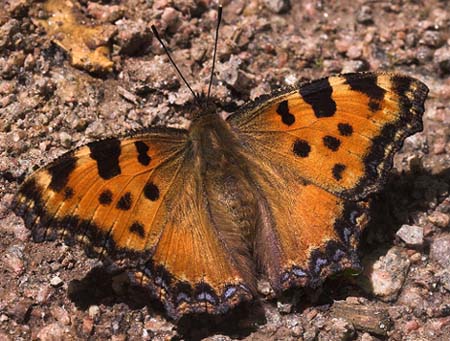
[[403, 197], [400, 202], [109, 286]]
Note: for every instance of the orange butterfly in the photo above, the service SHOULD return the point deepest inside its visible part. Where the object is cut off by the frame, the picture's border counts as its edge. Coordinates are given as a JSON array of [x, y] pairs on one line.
[[278, 188]]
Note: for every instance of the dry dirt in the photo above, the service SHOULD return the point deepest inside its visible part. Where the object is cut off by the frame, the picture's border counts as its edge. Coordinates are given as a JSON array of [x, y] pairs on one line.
[[123, 81]]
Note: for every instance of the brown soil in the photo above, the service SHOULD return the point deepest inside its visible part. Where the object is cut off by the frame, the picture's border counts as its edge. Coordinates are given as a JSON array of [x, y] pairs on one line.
[[47, 106]]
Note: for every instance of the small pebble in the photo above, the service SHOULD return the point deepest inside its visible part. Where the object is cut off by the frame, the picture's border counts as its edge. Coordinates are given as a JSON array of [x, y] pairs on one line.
[[444, 279], [277, 6], [411, 325], [105, 13], [7, 31], [51, 332], [440, 250], [44, 294], [388, 274], [365, 15], [442, 58], [133, 36], [94, 310], [432, 39], [439, 219], [354, 51], [284, 307], [354, 66], [88, 326], [66, 139], [13, 260], [367, 337], [171, 17], [61, 315], [412, 235], [56, 281]]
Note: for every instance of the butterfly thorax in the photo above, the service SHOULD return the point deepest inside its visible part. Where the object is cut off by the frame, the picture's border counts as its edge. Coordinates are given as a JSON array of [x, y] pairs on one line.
[[220, 169]]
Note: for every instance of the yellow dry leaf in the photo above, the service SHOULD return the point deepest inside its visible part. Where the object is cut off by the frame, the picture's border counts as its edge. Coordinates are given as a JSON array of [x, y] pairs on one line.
[[87, 45]]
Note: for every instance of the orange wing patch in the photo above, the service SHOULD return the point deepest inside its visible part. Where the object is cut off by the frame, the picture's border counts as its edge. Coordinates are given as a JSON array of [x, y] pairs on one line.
[[316, 235]]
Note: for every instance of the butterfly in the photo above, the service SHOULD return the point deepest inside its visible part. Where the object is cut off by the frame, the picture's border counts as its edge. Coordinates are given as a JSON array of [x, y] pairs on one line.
[[277, 190]]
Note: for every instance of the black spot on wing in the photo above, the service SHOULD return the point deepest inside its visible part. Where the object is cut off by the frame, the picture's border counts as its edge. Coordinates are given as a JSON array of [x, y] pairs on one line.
[[345, 129], [142, 149], [68, 193], [374, 106], [106, 153], [60, 171], [301, 148], [318, 95], [337, 170], [124, 202], [366, 84], [401, 84], [331, 143], [286, 117], [138, 229], [151, 191], [105, 197]]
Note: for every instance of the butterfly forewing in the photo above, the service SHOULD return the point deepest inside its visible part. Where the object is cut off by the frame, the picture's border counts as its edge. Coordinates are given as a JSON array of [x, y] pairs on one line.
[[104, 189], [341, 132]]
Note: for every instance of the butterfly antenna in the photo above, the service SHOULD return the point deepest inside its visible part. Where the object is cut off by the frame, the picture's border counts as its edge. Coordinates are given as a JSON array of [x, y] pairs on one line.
[[219, 19], [155, 32]]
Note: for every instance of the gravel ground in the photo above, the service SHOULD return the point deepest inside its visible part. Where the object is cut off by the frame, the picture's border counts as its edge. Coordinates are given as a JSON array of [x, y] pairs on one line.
[[47, 106]]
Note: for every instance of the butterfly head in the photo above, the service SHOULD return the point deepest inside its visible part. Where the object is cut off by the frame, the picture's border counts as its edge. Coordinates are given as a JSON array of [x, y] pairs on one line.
[[204, 106]]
